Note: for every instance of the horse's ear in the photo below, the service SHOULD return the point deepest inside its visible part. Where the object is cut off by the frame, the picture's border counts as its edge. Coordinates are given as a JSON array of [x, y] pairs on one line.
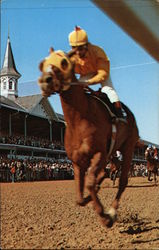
[[41, 66], [51, 50]]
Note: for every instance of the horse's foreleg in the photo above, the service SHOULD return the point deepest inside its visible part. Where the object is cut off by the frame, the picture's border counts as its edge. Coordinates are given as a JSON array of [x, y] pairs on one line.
[[149, 175], [155, 178], [123, 181], [93, 171], [79, 175], [155, 174], [101, 176]]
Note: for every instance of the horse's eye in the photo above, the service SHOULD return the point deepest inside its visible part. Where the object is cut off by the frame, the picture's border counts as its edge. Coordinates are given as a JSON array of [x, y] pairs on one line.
[[64, 64]]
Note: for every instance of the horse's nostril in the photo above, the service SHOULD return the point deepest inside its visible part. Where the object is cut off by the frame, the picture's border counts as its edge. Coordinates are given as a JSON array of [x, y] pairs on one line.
[[49, 79]]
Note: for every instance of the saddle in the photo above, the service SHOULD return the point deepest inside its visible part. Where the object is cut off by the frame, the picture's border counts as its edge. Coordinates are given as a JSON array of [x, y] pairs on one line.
[[103, 98]]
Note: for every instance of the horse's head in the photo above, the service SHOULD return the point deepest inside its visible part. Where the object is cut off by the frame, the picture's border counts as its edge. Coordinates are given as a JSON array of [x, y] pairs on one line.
[[57, 73]]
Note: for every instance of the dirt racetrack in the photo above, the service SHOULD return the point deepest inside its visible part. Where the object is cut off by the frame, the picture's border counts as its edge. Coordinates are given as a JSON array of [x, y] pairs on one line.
[[43, 215]]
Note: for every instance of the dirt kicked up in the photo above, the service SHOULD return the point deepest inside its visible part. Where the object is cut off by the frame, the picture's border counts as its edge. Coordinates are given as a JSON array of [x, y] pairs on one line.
[[43, 215]]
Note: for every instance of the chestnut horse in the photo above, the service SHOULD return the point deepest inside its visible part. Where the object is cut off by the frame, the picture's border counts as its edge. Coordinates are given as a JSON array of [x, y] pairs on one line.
[[88, 132]]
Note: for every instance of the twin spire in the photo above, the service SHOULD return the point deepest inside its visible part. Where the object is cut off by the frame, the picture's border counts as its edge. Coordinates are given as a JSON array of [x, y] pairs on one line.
[[9, 75], [9, 68]]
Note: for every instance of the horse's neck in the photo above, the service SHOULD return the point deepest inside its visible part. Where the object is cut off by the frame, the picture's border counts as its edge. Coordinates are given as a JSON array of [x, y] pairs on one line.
[[74, 104]]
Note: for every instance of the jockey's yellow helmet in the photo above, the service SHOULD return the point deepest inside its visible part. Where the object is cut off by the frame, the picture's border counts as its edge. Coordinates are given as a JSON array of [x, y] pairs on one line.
[[78, 37]]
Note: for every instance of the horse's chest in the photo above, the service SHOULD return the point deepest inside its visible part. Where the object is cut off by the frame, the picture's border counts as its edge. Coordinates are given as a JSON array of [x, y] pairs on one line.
[[78, 149]]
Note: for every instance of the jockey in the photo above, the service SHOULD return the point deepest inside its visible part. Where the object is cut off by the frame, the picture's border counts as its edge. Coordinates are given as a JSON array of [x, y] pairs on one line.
[[93, 65], [152, 151]]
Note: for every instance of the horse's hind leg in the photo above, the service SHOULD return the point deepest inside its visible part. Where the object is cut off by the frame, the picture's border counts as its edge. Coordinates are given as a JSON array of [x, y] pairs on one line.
[[114, 178]]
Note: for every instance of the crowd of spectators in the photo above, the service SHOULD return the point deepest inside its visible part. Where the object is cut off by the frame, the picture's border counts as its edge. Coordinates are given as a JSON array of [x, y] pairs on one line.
[[138, 170], [31, 141], [15, 170], [33, 169]]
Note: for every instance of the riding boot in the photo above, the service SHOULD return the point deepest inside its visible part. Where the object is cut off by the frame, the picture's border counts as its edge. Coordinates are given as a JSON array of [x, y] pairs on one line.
[[119, 112]]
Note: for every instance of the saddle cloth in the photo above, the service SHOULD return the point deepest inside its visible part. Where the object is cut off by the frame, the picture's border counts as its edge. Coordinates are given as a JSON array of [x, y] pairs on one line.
[[106, 102]]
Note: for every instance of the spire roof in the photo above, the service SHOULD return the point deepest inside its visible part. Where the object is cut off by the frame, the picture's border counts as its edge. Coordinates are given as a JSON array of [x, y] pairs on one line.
[[9, 67]]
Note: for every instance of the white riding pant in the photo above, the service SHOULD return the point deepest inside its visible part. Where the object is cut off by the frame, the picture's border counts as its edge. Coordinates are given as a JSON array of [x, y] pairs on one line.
[[107, 88]]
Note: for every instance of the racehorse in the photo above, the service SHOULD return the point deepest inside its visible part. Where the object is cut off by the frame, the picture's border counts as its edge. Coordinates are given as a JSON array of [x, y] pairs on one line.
[[152, 165], [115, 167], [88, 132]]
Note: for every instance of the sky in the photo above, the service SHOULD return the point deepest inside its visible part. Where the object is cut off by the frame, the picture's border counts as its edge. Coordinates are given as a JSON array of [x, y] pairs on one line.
[[36, 25]]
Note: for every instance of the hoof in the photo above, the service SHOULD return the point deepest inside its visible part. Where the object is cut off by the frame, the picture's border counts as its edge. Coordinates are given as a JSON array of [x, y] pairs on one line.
[[80, 202], [109, 218], [85, 201], [150, 179]]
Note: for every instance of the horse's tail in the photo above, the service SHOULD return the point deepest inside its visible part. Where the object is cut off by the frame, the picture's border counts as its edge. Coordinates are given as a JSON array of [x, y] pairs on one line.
[[131, 116]]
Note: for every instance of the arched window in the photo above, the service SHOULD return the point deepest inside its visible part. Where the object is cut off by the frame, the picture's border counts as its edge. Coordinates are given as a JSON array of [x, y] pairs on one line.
[[10, 84]]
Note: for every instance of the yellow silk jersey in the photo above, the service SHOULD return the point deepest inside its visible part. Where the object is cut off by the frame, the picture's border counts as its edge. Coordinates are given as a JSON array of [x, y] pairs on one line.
[[95, 62]]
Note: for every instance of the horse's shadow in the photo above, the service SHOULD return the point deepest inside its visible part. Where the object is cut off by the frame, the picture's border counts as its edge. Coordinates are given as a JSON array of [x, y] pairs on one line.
[[144, 241], [141, 186], [131, 186], [139, 228]]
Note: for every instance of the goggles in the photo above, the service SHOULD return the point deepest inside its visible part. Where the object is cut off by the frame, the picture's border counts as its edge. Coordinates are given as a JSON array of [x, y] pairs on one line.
[[80, 48]]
